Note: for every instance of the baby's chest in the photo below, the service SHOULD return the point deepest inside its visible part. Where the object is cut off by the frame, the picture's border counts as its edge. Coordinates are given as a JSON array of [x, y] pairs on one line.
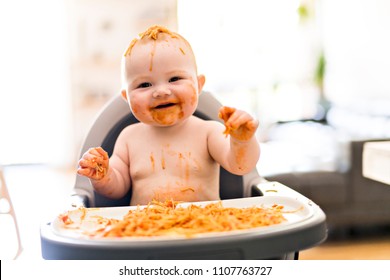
[[175, 160]]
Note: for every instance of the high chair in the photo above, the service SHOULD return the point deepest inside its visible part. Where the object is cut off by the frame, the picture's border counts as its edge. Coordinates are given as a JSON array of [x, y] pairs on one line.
[[284, 242]]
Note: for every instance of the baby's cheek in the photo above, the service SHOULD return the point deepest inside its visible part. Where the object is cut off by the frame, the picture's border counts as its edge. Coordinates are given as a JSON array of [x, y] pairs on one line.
[[139, 111], [190, 102], [135, 108], [194, 97]]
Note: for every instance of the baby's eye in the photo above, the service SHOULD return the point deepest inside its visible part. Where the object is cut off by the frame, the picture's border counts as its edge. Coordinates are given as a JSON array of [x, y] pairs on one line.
[[174, 79], [144, 85]]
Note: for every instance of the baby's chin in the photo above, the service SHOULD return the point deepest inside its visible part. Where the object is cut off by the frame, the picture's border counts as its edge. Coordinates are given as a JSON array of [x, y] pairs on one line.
[[168, 122], [167, 117]]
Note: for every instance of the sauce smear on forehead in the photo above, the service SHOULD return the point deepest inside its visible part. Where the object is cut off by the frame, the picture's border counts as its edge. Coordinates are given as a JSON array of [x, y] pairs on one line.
[[151, 33]]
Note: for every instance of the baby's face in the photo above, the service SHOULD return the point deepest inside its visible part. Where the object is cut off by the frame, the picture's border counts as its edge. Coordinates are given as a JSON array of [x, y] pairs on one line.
[[162, 82]]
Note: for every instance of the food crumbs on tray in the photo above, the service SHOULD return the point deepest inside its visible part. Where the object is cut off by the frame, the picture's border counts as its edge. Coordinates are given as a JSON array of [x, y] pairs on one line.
[[65, 219], [169, 219]]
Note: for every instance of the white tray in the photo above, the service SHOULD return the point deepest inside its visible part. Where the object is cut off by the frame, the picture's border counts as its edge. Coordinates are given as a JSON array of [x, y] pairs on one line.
[[295, 211], [305, 227]]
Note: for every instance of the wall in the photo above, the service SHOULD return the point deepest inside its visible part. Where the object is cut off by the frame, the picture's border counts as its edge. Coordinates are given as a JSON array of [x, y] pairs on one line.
[[99, 32], [35, 103], [357, 43]]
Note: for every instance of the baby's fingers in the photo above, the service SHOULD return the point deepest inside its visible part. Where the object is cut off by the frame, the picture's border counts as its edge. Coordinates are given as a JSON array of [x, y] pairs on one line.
[[245, 131], [88, 172], [225, 113], [252, 125], [94, 164], [87, 163], [100, 152], [89, 156], [238, 119], [91, 173]]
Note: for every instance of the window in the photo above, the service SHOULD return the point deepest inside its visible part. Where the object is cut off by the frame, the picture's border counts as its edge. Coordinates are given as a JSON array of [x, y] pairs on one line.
[[258, 55], [34, 101]]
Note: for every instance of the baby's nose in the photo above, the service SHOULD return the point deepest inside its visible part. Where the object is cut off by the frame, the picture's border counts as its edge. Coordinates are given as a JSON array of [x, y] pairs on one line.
[[161, 92]]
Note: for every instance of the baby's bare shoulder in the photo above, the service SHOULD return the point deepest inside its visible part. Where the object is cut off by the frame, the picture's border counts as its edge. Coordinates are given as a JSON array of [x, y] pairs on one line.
[[207, 124], [131, 130]]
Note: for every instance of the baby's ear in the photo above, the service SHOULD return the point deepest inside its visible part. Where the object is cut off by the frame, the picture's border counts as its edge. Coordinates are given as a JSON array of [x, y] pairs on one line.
[[124, 94], [201, 81]]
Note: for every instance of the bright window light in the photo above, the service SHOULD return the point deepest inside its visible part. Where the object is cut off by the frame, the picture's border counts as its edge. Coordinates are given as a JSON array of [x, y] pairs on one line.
[[34, 100], [252, 52]]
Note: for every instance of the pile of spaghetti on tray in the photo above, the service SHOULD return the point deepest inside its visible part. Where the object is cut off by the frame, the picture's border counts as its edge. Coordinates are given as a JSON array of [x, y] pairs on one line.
[[169, 219]]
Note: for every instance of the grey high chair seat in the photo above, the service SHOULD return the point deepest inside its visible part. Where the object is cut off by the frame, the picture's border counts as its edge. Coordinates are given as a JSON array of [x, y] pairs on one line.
[[284, 244]]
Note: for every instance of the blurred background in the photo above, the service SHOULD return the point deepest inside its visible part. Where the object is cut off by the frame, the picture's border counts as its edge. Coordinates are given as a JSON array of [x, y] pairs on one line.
[[314, 72]]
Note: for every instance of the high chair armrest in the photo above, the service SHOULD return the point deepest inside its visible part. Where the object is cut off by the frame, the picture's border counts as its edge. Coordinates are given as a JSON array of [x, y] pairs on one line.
[[273, 188], [78, 200]]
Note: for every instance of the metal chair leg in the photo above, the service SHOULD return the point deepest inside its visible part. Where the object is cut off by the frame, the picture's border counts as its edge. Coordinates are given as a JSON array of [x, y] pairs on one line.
[[9, 210]]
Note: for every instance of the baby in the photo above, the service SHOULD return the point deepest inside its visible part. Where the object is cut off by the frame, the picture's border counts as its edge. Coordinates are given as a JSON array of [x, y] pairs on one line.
[[169, 154]]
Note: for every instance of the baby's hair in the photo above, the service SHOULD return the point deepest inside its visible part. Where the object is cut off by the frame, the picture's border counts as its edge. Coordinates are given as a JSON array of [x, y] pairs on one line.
[[153, 33]]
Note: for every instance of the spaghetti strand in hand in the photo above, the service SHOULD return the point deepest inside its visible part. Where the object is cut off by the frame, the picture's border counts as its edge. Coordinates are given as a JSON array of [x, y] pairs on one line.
[[94, 164], [239, 124]]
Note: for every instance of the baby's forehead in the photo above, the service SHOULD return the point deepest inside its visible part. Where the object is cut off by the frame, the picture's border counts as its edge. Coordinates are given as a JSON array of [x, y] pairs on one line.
[[158, 43]]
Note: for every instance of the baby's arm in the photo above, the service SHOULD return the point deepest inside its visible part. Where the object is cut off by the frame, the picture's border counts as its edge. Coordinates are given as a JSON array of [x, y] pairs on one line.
[[109, 176], [239, 152]]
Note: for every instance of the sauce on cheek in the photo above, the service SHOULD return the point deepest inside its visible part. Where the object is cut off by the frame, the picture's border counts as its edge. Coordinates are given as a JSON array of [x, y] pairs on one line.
[[194, 97], [139, 110], [134, 109]]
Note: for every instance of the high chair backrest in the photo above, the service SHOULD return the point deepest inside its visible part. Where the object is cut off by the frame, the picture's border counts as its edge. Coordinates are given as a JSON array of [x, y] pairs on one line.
[[115, 116]]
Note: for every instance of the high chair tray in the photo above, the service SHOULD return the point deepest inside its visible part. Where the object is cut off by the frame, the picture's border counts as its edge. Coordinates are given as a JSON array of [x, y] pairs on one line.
[[304, 227]]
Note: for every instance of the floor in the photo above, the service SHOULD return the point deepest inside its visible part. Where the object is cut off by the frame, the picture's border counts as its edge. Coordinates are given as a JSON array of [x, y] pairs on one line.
[[365, 246], [39, 193]]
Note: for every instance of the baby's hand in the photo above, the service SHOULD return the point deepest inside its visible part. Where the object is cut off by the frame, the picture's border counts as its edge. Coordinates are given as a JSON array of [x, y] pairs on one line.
[[94, 164], [239, 124]]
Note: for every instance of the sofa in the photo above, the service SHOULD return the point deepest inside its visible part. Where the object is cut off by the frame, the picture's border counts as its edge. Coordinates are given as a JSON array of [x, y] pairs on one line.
[[325, 162]]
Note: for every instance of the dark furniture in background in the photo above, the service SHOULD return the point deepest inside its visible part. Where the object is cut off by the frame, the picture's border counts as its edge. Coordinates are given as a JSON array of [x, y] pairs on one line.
[[348, 199]]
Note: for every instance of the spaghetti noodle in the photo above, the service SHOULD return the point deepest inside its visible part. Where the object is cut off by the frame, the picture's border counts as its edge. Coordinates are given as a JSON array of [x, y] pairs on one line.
[[225, 114], [168, 219]]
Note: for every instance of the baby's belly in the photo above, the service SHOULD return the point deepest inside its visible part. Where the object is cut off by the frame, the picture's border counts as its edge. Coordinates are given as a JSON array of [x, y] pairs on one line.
[[146, 191]]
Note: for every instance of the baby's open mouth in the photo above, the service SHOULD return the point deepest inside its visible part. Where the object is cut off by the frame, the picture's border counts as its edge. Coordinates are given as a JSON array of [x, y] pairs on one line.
[[167, 105]]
